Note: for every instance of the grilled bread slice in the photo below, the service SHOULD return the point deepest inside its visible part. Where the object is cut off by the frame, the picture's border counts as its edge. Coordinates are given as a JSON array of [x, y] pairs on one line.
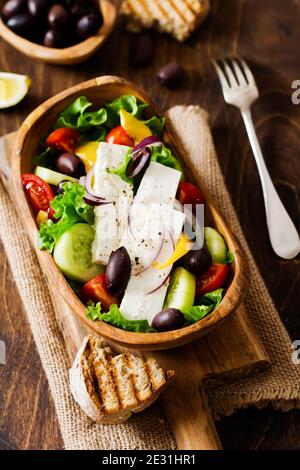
[[176, 17], [108, 387]]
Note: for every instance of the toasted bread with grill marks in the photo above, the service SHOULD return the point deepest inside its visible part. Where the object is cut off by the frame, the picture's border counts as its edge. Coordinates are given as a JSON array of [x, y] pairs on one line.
[[176, 17], [108, 387]]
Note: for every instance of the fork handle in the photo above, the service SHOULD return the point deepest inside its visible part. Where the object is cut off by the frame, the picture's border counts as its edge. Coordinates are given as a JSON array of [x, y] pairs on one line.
[[284, 237]]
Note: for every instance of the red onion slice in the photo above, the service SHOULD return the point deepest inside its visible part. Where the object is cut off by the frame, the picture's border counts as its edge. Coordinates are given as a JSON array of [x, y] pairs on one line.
[[147, 142], [161, 275], [160, 286], [82, 180], [95, 201], [140, 160], [88, 184], [91, 197], [155, 256]]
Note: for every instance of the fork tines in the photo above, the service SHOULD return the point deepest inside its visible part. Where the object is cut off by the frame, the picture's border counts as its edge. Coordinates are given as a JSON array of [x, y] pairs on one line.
[[233, 72]]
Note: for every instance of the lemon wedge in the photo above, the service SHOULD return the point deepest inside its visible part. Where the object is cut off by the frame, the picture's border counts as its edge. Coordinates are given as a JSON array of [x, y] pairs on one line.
[[13, 88]]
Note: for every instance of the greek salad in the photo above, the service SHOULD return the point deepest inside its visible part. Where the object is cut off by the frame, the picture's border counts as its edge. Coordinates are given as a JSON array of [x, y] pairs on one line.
[[112, 205]]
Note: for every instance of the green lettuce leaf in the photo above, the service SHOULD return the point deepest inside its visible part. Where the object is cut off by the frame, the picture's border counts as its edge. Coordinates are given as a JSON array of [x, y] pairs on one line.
[[163, 155], [121, 169], [70, 209], [77, 116], [197, 312], [160, 154], [155, 124], [128, 102], [207, 304], [44, 158], [215, 298], [95, 124], [114, 317], [230, 257]]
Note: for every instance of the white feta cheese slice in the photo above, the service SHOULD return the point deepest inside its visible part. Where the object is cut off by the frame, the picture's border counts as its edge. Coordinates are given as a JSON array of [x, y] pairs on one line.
[[159, 185], [109, 156], [141, 300], [149, 213], [110, 219]]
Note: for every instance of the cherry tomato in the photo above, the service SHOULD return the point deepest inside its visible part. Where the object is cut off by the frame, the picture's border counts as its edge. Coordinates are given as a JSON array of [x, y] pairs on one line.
[[212, 279], [96, 291], [189, 194], [119, 136], [63, 139], [39, 194]]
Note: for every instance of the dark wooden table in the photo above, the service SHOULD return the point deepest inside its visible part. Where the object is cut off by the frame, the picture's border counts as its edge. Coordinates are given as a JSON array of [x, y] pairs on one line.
[[267, 34]]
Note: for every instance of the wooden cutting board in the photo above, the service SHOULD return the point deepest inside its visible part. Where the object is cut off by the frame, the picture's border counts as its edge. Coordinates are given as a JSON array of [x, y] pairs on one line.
[[231, 351]]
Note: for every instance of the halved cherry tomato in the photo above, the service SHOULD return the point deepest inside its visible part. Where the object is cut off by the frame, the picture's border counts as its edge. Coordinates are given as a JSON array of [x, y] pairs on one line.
[[189, 194], [214, 278], [39, 194], [119, 136], [63, 139], [96, 291]]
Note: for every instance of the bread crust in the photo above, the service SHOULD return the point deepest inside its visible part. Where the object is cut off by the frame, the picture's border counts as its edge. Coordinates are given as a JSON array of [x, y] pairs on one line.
[[134, 382], [176, 17]]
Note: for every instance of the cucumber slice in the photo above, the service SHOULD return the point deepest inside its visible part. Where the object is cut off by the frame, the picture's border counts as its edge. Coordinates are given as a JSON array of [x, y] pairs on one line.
[[73, 254], [216, 245], [181, 290], [52, 177]]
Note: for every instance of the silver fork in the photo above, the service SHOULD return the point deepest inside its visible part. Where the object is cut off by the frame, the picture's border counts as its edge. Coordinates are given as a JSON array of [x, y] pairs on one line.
[[240, 90]]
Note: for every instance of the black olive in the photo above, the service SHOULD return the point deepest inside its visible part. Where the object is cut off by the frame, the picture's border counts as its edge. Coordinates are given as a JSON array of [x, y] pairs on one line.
[[38, 7], [168, 320], [79, 9], [139, 162], [12, 7], [54, 38], [58, 17], [118, 271], [197, 261], [22, 24], [171, 75], [88, 25], [70, 164]]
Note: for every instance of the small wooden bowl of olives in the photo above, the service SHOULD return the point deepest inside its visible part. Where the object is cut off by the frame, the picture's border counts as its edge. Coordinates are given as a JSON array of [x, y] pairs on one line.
[[57, 31]]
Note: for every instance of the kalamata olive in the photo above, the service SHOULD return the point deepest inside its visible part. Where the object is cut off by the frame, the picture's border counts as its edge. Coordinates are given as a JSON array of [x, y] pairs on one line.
[[54, 38], [197, 261], [168, 320], [79, 9], [22, 24], [38, 7], [70, 164], [58, 16], [12, 7], [59, 187], [118, 271], [171, 75], [141, 49], [88, 25], [139, 162]]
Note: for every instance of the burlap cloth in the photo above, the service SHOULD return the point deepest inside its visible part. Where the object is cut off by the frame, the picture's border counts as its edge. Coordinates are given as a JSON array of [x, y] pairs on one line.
[[149, 430]]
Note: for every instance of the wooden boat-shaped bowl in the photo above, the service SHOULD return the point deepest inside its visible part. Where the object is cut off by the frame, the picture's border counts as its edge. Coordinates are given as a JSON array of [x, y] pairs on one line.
[[69, 55], [100, 91]]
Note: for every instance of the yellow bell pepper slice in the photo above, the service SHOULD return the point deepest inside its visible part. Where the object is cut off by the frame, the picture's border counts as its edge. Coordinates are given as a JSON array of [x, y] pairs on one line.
[[135, 128], [41, 218], [88, 154], [183, 246]]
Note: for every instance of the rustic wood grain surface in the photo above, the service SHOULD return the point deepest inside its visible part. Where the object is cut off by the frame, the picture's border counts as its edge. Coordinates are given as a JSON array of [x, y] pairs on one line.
[[266, 33]]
